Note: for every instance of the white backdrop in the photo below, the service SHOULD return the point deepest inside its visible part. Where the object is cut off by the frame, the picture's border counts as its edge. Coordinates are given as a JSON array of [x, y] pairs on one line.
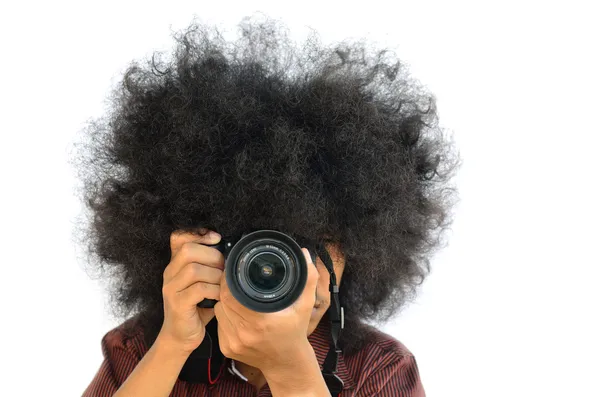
[[511, 308]]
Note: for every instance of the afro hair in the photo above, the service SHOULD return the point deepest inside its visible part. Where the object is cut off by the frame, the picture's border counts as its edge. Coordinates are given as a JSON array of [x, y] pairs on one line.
[[260, 133]]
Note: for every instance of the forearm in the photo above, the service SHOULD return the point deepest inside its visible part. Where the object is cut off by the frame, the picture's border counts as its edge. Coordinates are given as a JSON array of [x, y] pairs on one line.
[[156, 373], [302, 378]]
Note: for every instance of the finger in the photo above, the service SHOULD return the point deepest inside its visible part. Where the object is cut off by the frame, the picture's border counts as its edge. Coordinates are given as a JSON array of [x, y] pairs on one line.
[[308, 297], [233, 305], [313, 273], [204, 236], [191, 252], [205, 314], [197, 292], [193, 273]]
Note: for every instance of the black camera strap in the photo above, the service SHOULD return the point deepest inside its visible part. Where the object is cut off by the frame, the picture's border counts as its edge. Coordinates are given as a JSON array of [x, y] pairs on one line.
[[336, 317]]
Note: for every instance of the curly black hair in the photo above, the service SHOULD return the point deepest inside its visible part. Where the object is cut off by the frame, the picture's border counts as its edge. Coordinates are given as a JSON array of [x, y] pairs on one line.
[[260, 133]]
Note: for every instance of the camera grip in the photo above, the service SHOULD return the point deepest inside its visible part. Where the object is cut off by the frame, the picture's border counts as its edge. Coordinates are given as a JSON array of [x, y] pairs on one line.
[[207, 303]]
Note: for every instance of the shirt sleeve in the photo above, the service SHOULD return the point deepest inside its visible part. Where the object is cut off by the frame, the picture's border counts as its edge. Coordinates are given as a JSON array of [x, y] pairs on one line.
[[119, 361], [398, 378]]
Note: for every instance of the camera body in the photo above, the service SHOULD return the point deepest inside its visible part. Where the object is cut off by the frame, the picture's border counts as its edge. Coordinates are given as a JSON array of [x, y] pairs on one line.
[[265, 270]]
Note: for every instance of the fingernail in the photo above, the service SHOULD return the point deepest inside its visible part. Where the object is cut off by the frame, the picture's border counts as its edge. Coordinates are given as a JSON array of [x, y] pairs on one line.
[[214, 235]]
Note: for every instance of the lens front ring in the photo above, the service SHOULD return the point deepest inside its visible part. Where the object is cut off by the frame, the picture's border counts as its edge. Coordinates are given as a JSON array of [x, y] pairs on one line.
[[266, 242], [248, 259]]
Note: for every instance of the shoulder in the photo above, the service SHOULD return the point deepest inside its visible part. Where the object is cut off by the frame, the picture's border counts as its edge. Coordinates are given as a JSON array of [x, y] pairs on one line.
[[382, 364], [380, 348], [127, 337], [122, 347]]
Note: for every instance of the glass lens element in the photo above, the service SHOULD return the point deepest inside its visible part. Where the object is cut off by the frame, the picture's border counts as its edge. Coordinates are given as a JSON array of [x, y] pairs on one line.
[[266, 272]]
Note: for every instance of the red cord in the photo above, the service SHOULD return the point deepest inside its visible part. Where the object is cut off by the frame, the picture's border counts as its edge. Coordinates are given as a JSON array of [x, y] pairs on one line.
[[212, 382]]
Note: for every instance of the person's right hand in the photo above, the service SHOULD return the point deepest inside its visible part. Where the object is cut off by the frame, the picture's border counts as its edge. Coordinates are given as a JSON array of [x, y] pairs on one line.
[[193, 274]]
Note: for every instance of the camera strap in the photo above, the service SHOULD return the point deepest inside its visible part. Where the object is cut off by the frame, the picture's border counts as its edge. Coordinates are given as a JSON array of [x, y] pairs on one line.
[[336, 317]]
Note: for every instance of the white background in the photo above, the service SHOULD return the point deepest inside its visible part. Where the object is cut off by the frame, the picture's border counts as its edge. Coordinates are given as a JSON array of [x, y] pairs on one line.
[[511, 308]]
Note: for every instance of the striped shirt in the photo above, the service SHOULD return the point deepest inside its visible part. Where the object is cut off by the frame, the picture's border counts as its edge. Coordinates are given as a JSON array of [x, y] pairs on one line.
[[384, 367]]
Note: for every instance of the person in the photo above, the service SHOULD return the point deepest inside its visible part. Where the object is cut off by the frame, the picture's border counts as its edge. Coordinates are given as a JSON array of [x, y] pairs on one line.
[[335, 143]]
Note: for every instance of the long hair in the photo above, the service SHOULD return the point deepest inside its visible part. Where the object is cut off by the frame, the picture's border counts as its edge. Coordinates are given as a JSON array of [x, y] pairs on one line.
[[311, 140]]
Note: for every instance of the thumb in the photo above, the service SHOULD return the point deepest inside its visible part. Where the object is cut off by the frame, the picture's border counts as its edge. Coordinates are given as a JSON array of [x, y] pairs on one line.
[[205, 315], [313, 274], [309, 293]]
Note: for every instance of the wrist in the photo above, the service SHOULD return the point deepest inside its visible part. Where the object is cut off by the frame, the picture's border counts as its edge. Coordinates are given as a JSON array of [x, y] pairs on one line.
[[300, 375], [170, 350], [291, 359]]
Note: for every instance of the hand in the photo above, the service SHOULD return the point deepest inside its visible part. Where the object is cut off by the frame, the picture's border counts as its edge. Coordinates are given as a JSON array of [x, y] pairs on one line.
[[267, 340], [194, 273]]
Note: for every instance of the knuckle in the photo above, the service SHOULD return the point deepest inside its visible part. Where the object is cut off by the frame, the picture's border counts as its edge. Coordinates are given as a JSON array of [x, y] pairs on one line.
[[260, 326], [168, 303], [183, 274], [235, 346], [170, 298], [166, 290], [186, 252], [246, 338], [191, 272], [174, 238], [194, 270]]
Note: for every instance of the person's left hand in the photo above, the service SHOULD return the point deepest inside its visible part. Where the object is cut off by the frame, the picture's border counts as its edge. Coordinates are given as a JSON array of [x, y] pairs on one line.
[[267, 340]]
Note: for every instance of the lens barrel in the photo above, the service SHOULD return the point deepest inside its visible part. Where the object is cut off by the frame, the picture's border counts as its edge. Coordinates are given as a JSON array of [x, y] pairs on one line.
[[265, 270]]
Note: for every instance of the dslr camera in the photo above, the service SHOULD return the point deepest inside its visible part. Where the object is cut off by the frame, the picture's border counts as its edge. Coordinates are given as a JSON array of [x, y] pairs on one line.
[[265, 270]]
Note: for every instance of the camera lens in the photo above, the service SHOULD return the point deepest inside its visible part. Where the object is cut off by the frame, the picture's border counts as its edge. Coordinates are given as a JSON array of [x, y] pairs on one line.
[[266, 272]]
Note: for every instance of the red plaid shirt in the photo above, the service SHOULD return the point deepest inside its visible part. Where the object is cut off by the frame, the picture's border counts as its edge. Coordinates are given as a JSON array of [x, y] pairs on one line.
[[384, 367]]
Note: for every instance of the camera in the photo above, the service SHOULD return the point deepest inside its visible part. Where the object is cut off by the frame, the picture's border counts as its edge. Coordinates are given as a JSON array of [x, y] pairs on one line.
[[265, 270]]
